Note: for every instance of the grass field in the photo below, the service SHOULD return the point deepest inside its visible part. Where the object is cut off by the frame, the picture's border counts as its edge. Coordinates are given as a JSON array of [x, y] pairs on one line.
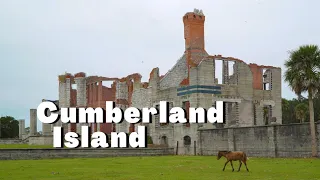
[[23, 146], [161, 167]]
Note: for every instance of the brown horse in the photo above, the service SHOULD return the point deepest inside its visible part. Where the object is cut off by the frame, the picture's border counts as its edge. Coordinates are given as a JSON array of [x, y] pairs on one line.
[[233, 156]]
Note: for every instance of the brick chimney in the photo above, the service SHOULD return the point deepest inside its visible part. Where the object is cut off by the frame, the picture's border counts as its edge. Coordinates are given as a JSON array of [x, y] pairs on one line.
[[194, 30]]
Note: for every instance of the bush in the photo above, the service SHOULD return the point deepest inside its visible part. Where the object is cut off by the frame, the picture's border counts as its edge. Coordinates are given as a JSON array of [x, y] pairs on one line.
[[149, 138]]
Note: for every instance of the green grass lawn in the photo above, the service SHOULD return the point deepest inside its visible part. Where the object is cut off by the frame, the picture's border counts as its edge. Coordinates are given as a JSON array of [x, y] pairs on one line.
[[161, 167], [23, 146]]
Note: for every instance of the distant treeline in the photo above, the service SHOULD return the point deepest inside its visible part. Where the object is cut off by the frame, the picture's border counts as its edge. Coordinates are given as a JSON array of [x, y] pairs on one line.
[[297, 111]]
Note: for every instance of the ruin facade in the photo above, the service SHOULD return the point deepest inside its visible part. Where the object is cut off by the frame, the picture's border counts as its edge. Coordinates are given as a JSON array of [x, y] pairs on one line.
[[251, 93]]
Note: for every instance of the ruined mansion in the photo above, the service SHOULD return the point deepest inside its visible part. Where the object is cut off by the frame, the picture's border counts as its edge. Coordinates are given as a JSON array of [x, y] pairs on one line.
[[251, 93]]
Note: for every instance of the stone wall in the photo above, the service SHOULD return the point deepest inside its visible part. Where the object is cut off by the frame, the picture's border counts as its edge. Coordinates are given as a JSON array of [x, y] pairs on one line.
[[11, 141], [40, 140], [22, 154], [292, 140], [175, 75], [141, 98]]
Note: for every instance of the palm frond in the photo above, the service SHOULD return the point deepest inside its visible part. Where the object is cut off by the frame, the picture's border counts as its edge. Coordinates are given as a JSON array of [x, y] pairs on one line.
[[303, 69]]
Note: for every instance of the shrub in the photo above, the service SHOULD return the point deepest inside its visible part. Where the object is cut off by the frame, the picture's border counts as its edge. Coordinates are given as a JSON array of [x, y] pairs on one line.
[[149, 139]]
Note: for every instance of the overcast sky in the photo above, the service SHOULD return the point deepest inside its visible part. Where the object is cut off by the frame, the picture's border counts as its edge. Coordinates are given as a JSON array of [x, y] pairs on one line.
[[41, 39]]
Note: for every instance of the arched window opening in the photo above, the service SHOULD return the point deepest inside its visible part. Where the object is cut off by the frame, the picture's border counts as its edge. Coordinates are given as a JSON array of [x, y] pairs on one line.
[[187, 140]]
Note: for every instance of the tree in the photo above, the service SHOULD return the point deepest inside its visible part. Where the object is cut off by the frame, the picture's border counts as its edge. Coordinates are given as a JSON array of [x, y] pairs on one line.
[[286, 114], [301, 111], [285, 104], [303, 75], [9, 127]]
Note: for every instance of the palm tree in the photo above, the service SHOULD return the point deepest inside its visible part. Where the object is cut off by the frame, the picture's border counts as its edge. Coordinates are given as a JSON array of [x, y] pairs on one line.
[[303, 75], [301, 111]]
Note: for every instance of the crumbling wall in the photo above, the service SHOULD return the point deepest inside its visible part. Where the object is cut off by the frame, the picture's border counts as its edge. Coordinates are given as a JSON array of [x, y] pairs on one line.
[[276, 94], [267, 93], [203, 74], [122, 103], [290, 140], [175, 75], [245, 91], [141, 98], [81, 98], [157, 131]]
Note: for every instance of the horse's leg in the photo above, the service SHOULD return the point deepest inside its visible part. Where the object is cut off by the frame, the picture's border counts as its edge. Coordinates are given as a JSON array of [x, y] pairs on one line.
[[239, 165], [225, 165], [232, 165], [245, 163]]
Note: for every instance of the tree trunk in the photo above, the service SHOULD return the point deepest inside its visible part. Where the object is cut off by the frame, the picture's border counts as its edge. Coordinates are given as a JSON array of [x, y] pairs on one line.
[[312, 125]]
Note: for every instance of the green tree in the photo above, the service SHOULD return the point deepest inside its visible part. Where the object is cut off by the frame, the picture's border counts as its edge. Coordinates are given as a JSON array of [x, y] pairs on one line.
[[303, 75], [301, 111], [286, 115], [285, 104], [9, 127], [293, 103]]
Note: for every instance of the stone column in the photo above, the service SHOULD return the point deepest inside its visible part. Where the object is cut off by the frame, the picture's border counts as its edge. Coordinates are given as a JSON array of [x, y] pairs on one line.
[[121, 102], [67, 101], [33, 122], [22, 128], [225, 72], [80, 80], [100, 104], [62, 95], [46, 128], [259, 114]]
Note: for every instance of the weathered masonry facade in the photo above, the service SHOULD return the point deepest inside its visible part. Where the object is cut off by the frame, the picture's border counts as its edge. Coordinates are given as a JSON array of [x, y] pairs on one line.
[[251, 92], [90, 92]]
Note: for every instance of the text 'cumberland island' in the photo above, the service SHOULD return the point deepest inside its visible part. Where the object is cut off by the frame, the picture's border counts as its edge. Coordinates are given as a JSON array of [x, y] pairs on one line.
[[112, 114]]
